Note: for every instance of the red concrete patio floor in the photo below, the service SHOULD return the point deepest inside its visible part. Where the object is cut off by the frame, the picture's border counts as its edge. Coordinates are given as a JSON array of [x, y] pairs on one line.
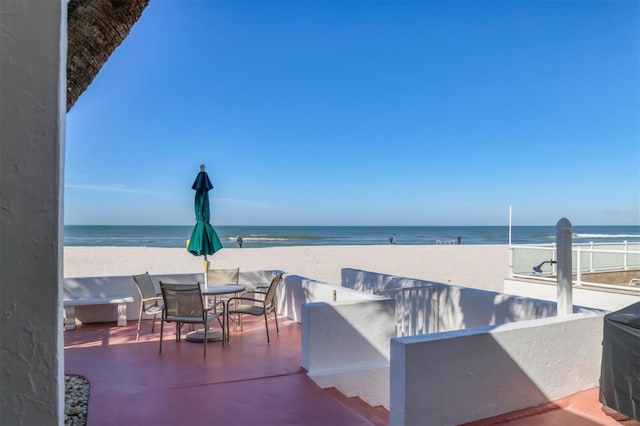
[[245, 383], [248, 382], [580, 409]]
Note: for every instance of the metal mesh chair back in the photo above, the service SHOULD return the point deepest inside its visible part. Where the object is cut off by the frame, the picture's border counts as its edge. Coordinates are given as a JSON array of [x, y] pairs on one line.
[[223, 276], [150, 303], [183, 302], [145, 285], [257, 305], [273, 287]]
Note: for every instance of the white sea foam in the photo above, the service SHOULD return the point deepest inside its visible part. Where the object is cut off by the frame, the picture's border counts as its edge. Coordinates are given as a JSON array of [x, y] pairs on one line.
[[605, 236]]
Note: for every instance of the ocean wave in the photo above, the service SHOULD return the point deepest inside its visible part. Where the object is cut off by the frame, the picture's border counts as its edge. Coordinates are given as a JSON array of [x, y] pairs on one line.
[[605, 236], [255, 237], [274, 236], [126, 238]]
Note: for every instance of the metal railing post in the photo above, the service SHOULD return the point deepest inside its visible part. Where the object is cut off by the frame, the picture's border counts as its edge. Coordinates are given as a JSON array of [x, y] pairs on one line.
[[578, 266], [511, 261], [591, 256]]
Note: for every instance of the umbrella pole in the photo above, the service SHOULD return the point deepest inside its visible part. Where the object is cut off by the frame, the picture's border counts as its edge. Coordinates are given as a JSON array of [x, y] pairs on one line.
[[206, 269]]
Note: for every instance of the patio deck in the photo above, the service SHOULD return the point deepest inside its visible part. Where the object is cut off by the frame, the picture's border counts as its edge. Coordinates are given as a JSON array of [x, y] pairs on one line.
[[248, 382]]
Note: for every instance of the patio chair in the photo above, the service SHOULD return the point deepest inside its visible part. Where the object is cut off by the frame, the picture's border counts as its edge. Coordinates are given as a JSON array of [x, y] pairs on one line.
[[261, 304], [151, 301], [223, 276], [183, 305]]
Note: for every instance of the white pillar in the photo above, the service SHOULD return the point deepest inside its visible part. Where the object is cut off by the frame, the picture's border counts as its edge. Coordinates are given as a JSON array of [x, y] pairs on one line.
[[32, 117], [565, 290]]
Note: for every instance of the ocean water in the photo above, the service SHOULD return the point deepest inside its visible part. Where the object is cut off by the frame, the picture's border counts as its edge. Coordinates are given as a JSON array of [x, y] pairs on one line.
[[274, 236]]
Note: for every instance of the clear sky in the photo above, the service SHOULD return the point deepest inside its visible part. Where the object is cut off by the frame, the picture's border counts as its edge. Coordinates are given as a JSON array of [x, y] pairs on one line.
[[364, 113]]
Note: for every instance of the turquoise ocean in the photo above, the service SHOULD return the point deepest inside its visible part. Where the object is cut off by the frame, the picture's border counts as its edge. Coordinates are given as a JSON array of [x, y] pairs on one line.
[[276, 236]]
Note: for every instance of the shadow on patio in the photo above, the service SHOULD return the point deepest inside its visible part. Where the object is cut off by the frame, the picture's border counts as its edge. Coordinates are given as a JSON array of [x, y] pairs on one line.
[[246, 382]]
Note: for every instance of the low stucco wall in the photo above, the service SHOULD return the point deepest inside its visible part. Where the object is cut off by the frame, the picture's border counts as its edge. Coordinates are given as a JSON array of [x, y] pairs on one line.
[[292, 293], [345, 336], [296, 291], [461, 376], [346, 345], [447, 308], [123, 285]]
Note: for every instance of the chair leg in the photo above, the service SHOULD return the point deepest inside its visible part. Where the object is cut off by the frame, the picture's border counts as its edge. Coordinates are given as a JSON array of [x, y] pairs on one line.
[[237, 321], [266, 324], [275, 312], [161, 332], [275, 315], [224, 330], [206, 325], [139, 321], [153, 324]]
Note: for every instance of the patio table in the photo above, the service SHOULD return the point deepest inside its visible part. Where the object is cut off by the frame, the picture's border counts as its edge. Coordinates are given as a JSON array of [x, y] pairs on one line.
[[213, 290]]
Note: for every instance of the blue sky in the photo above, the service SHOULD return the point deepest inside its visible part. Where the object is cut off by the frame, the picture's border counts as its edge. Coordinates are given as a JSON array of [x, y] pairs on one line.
[[364, 113]]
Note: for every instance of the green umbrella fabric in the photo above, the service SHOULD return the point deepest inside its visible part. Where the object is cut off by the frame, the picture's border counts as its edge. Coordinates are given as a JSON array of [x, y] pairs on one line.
[[204, 239]]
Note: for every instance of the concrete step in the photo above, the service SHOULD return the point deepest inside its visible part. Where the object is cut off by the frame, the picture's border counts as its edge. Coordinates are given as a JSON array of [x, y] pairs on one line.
[[378, 416]]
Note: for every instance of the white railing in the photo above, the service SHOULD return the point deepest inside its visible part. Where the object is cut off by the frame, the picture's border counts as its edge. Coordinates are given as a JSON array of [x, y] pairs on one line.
[[589, 257]]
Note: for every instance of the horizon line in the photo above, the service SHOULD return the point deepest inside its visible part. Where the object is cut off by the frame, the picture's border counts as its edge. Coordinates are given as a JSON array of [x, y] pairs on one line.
[[342, 226]]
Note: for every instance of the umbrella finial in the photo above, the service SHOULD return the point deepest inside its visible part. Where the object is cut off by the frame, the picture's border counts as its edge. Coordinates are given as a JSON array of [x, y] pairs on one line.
[[202, 167]]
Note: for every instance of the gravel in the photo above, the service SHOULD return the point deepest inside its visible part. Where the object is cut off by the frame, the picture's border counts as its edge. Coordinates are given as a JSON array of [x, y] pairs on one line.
[[76, 399]]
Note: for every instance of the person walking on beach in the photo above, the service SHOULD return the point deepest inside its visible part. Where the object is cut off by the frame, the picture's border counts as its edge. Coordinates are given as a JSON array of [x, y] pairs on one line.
[[239, 241], [392, 238]]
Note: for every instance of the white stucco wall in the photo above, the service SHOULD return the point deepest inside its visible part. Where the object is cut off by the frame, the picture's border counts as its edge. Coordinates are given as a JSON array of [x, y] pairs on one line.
[[346, 345], [446, 307], [293, 292], [296, 291], [461, 376], [32, 118], [123, 286], [582, 295], [344, 335]]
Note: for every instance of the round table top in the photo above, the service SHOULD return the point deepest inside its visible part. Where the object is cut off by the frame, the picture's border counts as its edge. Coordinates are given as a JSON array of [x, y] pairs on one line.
[[221, 289]]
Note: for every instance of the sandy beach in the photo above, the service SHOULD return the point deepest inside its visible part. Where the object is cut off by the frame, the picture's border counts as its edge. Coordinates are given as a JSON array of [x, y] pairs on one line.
[[477, 266]]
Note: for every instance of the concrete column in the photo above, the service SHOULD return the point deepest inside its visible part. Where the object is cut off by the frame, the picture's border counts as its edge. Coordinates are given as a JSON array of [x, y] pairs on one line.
[[563, 249], [32, 117]]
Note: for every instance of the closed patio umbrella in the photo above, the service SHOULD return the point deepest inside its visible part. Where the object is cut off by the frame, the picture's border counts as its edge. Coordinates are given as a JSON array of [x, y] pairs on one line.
[[204, 240]]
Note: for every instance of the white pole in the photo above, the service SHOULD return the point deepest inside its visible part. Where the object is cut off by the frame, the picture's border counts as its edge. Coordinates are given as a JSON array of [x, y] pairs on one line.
[[578, 266], [510, 247], [509, 225], [205, 265], [564, 284]]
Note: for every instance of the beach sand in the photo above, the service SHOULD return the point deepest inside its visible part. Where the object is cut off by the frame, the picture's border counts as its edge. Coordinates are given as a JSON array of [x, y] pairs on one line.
[[477, 266]]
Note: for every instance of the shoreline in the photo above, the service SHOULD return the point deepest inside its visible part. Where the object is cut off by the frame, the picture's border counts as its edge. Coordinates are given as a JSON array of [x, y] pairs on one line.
[[476, 266]]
